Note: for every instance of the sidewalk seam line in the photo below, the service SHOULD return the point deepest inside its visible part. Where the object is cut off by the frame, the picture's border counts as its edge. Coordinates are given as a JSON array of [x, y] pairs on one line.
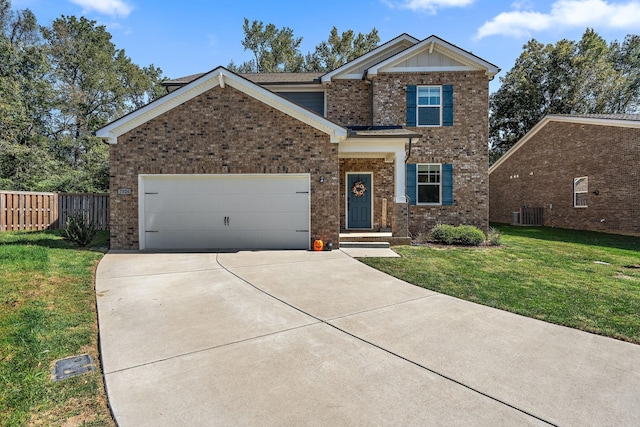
[[285, 263], [381, 307], [160, 274], [212, 348], [468, 387]]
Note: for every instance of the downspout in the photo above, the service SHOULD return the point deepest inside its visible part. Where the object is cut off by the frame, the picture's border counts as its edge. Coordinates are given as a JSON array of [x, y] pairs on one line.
[[366, 78]]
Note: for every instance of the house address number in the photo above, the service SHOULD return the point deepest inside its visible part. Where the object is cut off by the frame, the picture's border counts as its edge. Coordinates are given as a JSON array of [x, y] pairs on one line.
[[124, 191]]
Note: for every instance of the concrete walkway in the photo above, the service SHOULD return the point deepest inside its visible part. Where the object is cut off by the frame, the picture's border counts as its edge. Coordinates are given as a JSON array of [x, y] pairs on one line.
[[304, 338]]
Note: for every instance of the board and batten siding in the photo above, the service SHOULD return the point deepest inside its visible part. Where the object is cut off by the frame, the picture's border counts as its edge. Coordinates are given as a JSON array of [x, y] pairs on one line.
[[313, 101]]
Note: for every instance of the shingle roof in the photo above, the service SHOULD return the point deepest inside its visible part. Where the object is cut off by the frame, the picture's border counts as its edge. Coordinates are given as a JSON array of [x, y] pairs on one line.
[[260, 78], [182, 80], [633, 117], [283, 78]]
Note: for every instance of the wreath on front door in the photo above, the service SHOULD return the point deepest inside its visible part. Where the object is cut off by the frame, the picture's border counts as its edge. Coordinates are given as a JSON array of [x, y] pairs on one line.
[[358, 189]]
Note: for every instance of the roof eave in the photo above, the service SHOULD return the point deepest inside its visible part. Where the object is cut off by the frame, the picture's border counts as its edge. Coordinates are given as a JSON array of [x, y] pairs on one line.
[[382, 136], [326, 78]]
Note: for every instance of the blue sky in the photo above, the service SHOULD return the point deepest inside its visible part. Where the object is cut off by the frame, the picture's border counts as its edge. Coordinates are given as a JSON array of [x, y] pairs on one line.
[[194, 36]]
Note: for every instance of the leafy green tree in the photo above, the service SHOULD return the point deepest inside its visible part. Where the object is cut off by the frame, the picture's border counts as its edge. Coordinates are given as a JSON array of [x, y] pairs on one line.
[[339, 49], [584, 77], [274, 50], [278, 50], [93, 83], [59, 84], [25, 92]]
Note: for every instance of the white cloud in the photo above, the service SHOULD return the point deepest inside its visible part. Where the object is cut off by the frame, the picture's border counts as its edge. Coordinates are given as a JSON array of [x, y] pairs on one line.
[[430, 6], [105, 7], [563, 14], [522, 4]]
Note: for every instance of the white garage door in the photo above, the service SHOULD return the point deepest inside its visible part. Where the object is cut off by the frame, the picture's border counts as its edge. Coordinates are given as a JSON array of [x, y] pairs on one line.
[[224, 212]]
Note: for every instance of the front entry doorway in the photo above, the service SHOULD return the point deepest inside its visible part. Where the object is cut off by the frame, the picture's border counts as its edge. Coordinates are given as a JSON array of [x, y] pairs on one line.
[[359, 201]]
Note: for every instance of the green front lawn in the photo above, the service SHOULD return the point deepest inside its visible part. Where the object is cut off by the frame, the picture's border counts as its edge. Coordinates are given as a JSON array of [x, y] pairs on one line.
[[584, 280], [588, 281], [47, 312]]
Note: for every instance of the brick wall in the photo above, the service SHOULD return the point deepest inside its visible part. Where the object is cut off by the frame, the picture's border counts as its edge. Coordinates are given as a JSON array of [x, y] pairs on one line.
[[223, 131], [541, 172], [349, 102], [465, 144]]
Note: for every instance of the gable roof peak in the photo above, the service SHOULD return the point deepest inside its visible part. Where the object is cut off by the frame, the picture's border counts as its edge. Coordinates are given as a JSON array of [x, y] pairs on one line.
[[468, 59], [398, 43], [219, 76]]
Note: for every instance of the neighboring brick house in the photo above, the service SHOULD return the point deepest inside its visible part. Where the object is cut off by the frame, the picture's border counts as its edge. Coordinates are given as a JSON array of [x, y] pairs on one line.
[[582, 170], [394, 140]]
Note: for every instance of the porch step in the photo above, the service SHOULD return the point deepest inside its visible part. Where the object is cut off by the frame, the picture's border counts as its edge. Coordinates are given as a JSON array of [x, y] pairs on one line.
[[375, 238], [378, 245]]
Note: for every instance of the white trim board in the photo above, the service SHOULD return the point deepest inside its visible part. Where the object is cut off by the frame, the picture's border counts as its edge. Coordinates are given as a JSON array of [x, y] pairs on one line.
[[337, 73]]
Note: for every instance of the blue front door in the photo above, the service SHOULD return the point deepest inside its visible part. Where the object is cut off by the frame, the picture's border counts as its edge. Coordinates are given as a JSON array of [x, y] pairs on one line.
[[358, 200]]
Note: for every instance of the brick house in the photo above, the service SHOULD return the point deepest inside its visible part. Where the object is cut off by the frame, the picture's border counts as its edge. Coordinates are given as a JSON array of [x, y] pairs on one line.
[[395, 141], [582, 170]]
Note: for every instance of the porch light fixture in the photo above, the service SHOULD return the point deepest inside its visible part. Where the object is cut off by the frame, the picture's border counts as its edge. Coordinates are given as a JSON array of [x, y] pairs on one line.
[[322, 179]]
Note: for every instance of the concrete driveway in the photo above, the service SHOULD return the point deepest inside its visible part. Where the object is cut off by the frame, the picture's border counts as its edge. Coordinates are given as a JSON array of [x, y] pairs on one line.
[[305, 338]]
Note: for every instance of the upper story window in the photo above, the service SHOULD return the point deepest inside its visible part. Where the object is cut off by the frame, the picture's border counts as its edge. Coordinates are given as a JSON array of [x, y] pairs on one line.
[[429, 106], [580, 191]]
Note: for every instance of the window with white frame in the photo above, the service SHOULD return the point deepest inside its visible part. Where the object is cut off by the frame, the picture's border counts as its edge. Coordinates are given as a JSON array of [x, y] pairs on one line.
[[429, 106], [429, 184], [580, 191]]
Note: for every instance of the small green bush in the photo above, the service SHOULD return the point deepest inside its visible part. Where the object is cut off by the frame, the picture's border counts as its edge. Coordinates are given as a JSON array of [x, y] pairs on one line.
[[443, 233], [79, 229], [467, 235], [494, 236]]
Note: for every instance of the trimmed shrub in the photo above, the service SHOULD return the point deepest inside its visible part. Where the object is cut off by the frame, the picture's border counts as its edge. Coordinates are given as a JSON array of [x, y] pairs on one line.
[[444, 233], [467, 235], [79, 230]]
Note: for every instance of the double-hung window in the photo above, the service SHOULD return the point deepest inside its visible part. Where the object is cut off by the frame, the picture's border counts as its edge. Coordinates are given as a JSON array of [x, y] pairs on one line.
[[429, 106], [580, 191], [429, 184]]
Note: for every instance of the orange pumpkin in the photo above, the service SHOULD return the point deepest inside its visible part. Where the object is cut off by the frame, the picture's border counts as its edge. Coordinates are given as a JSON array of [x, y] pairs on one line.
[[318, 245]]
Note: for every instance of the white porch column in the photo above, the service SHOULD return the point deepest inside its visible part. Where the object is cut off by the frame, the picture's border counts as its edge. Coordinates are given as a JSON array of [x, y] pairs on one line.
[[401, 178]]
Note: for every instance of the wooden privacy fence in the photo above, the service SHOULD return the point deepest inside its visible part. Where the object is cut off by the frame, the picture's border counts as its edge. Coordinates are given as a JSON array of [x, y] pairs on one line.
[[95, 206], [25, 210]]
